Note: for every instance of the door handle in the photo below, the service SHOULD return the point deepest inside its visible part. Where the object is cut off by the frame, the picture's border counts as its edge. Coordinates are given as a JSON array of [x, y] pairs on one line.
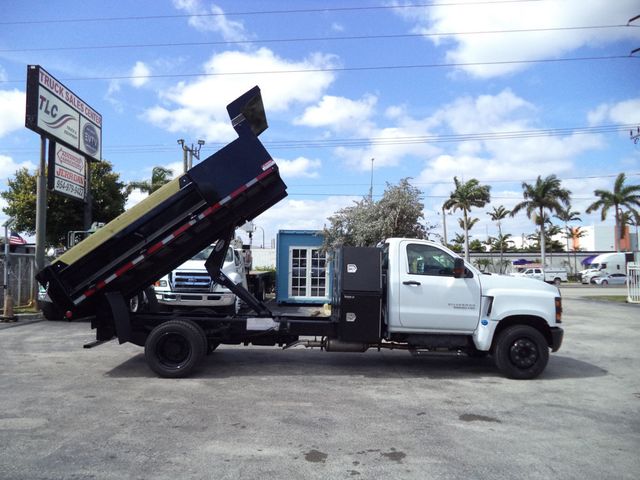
[[411, 282]]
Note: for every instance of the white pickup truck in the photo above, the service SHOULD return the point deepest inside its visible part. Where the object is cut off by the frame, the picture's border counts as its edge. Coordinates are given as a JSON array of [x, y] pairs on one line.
[[549, 275]]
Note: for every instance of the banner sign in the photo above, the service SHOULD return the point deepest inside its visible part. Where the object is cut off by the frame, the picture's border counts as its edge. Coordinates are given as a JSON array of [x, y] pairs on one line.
[[56, 112], [67, 171]]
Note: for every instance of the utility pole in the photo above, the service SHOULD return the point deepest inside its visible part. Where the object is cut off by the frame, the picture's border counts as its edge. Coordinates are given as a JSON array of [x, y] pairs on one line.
[[189, 152], [444, 224], [371, 184]]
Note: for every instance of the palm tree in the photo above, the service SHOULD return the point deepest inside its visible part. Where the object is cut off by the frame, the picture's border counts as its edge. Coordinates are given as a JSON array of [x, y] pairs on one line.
[[159, 176], [566, 215], [497, 215], [622, 196], [545, 194], [502, 243], [471, 222], [466, 195], [576, 233], [635, 221]]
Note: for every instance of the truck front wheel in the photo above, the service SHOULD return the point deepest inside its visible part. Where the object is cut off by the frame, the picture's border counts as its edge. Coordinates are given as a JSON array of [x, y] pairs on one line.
[[174, 348], [521, 352]]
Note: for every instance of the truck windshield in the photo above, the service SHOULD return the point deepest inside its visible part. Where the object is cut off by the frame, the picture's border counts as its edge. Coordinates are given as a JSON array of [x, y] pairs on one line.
[[204, 254]]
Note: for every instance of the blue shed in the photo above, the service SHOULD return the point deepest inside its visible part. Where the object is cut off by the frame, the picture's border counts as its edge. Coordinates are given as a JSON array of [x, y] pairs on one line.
[[302, 269]]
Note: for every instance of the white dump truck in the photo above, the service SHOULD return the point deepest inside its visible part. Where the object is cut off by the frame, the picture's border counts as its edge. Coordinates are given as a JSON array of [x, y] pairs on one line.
[[405, 294]]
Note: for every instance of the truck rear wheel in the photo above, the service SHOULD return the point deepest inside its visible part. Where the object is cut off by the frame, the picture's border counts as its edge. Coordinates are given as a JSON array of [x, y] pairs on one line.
[[174, 348], [521, 352], [557, 282]]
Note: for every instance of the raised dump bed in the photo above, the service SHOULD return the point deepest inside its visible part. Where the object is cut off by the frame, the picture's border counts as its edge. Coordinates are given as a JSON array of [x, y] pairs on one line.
[[230, 187]]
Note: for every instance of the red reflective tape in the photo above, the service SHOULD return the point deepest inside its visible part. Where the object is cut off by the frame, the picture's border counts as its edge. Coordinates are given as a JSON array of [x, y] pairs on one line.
[[101, 284], [238, 191], [124, 269], [154, 248], [89, 292], [210, 210], [182, 229], [264, 174]]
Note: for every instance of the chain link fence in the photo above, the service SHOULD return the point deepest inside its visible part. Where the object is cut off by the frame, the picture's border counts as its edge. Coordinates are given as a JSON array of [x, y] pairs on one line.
[[21, 282]]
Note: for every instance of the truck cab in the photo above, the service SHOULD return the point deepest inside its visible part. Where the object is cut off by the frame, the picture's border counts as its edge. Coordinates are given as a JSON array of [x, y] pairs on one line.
[[436, 300], [190, 285]]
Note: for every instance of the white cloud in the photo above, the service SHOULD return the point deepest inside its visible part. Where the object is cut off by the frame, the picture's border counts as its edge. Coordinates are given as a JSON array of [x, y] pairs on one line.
[[339, 113], [211, 19], [625, 112], [8, 166], [502, 16], [498, 159], [293, 214], [140, 72], [135, 197], [12, 106], [200, 106], [298, 167]]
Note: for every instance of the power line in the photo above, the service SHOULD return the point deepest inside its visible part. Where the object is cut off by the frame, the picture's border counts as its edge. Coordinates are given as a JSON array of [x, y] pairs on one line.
[[448, 182], [307, 39], [344, 69], [262, 12], [377, 141]]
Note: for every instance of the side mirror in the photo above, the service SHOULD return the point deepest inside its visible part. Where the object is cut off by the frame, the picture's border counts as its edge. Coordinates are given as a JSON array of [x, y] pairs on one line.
[[458, 267]]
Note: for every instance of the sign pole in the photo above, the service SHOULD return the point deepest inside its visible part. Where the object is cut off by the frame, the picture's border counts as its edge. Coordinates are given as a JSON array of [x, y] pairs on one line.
[[41, 206], [88, 200]]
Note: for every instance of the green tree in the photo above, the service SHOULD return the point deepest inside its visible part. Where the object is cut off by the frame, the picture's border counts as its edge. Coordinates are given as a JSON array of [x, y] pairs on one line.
[[159, 177], [64, 214], [544, 195], [399, 213], [465, 196], [476, 246], [622, 196], [498, 214], [471, 223]]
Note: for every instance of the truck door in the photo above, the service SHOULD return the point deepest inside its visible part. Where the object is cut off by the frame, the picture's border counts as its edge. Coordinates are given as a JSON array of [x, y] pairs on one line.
[[430, 297]]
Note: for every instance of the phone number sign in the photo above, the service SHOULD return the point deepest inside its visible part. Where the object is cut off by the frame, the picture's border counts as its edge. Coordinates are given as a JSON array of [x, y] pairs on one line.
[[67, 171]]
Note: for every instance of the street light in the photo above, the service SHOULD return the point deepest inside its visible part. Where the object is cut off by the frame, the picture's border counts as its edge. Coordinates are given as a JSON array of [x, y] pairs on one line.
[[258, 226]]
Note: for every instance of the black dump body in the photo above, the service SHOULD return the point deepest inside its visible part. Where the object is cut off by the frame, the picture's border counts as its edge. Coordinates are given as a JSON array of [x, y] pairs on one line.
[[230, 187]]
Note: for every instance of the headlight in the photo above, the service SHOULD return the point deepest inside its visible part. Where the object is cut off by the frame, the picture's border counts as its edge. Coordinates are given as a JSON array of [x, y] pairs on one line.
[[161, 283]]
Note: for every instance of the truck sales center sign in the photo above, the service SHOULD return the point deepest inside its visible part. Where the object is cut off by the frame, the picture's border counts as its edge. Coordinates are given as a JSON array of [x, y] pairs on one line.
[[56, 112]]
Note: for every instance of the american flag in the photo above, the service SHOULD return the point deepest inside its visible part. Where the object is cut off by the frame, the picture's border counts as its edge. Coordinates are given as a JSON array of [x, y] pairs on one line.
[[15, 239]]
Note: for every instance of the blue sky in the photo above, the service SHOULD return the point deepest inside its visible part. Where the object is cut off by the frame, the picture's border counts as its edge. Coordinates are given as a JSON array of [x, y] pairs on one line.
[[423, 88]]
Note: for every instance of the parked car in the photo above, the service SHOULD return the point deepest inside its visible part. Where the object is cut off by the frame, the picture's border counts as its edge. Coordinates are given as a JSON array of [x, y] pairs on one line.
[[612, 279]]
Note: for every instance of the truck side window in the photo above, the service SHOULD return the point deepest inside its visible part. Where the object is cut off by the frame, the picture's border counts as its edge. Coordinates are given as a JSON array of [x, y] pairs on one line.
[[428, 260]]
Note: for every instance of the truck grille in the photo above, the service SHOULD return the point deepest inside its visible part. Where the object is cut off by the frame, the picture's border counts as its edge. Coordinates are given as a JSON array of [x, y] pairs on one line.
[[191, 282]]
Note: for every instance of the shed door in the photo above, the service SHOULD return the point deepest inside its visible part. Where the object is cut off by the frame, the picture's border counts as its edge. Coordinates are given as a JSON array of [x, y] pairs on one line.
[[308, 275]]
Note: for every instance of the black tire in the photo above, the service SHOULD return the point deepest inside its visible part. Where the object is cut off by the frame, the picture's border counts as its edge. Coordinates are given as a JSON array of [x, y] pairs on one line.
[[604, 283], [137, 303], [521, 352], [557, 282], [174, 348]]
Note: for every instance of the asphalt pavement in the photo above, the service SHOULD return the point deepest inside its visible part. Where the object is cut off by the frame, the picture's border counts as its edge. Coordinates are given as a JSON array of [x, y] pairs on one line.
[[257, 412]]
